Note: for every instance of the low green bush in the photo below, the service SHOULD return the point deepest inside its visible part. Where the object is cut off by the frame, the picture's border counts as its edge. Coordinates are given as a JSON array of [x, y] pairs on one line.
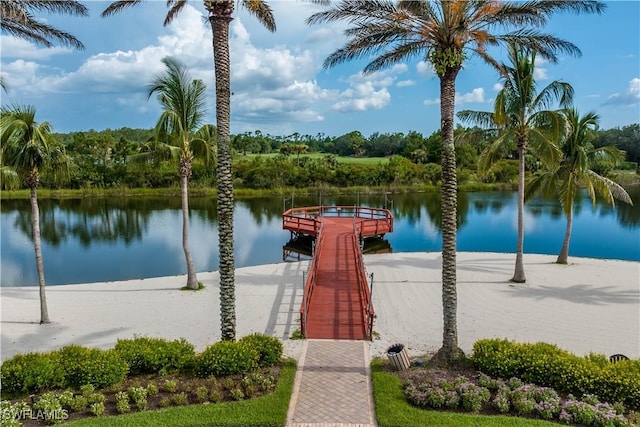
[[82, 365], [30, 373], [226, 358], [269, 348], [154, 355], [547, 365]]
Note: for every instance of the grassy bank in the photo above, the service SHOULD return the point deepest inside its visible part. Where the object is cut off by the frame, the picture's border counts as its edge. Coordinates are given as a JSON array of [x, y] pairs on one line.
[[242, 193]]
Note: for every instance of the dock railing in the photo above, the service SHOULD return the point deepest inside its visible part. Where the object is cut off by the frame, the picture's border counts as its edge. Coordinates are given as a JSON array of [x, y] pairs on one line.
[[310, 281], [363, 286], [373, 221]]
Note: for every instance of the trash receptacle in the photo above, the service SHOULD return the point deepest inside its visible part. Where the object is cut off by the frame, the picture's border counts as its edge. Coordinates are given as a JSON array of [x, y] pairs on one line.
[[398, 357]]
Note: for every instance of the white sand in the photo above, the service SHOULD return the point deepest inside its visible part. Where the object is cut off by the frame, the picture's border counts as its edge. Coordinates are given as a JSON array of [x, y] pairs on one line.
[[589, 305]]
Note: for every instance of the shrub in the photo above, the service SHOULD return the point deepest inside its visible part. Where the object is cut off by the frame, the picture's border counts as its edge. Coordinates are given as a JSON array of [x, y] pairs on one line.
[[154, 355], [180, 399], [97, 408], [226, 358], [82, 365], [547, 365], [122, 402], [170, 386], [12, 413], [202, 394], [139, 397], [30, 373], [49, 406], [152, 389], [269, 348], [79, 403]]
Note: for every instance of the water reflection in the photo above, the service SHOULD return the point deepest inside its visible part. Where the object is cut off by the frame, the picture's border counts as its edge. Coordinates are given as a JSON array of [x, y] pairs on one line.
[[102, 239]]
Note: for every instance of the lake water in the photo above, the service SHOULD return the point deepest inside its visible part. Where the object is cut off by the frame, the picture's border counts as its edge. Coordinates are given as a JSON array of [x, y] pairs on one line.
[[107, 239]]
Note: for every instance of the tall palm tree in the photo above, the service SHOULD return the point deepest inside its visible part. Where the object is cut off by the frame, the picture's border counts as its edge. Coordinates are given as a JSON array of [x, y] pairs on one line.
[[27, 146], [183, 101], [444, 33], [17, 19], [220, 15], [521, 115], [565, 179]]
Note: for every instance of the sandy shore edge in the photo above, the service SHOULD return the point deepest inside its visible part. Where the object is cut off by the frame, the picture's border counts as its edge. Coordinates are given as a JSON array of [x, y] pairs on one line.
[[590, 305]]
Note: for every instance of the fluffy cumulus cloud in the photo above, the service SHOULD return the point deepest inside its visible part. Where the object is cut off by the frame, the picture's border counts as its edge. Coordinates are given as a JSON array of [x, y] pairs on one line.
[[369, 91], [475, 96], [18, 48], [425, 69], [629, 97]]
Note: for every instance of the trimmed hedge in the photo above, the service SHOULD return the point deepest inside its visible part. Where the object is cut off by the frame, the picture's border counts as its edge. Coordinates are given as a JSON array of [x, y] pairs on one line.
[[155, 355], [30, 373], [547, 365], [82, 365], [269, 348], [226, 358]]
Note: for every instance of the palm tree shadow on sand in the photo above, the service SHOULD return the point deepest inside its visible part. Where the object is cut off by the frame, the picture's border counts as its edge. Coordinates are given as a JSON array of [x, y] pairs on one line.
[[579, 294]]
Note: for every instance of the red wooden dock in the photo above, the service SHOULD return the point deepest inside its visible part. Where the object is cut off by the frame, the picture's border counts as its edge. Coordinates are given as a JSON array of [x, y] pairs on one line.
[[337, 301]]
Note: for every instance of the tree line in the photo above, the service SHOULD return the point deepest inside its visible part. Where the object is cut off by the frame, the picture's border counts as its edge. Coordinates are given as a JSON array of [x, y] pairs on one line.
[[102, 159]]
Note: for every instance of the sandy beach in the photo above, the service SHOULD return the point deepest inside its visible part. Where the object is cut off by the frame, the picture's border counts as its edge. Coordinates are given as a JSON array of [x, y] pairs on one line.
[[590, 305]]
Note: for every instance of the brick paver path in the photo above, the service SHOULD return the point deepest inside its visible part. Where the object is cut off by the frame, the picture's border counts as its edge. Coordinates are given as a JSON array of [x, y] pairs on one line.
[[333, 386]]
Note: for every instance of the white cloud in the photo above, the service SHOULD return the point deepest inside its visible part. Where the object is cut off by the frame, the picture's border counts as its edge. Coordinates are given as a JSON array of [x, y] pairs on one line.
[[475, 96], [405, 83], [630, 97], [498, 87], [13, 47], [425, 69], [539, 72], [363, 97]]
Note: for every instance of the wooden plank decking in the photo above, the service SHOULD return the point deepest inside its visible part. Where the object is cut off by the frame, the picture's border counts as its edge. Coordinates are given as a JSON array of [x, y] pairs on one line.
[[337, 301], [336, 310]]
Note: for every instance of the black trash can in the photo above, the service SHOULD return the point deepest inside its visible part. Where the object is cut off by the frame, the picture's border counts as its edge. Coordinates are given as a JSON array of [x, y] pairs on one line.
[[398, 357]]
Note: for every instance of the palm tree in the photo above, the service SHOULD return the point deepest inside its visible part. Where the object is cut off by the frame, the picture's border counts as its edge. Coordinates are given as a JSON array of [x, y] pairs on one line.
[[18, 20], [444, 33], [183, 101], [220, 15], [27, 147], [521, 116], [565, 179]]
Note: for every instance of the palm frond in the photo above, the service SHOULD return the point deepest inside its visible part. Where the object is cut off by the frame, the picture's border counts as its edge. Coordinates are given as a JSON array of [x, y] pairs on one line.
[[118, 6], [262, 11]]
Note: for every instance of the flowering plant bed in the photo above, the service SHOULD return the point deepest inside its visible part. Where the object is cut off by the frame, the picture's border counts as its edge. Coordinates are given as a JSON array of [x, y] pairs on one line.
[[465, 389]]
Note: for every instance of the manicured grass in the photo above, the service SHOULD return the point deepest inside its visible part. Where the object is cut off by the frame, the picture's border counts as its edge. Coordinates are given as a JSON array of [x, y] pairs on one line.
[[270, 410], [393, 410], [340, 159]]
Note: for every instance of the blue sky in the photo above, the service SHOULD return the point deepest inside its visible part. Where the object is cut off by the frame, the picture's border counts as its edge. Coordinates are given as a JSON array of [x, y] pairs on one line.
[[278, 82]]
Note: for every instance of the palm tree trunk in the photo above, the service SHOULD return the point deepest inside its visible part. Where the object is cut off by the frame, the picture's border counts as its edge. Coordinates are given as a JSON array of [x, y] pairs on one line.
[[518, 275], [220, 19], [35, 221], [449, 351], [192, 279], [564, 252]]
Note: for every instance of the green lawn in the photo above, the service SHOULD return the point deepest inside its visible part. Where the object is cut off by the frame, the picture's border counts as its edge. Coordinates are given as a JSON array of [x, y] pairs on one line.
[[393, 410], [268, 410], [341, 159]]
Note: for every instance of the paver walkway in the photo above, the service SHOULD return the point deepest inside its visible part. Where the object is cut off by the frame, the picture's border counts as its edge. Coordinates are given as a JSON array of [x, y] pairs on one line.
[[332, 386]]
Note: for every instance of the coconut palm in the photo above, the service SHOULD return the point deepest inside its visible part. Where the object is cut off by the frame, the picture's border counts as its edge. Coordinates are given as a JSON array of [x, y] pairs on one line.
[[522, 117], [28, 148], [220, 15], [444, 33], [183, 101], [18, 20], [564, 180]]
